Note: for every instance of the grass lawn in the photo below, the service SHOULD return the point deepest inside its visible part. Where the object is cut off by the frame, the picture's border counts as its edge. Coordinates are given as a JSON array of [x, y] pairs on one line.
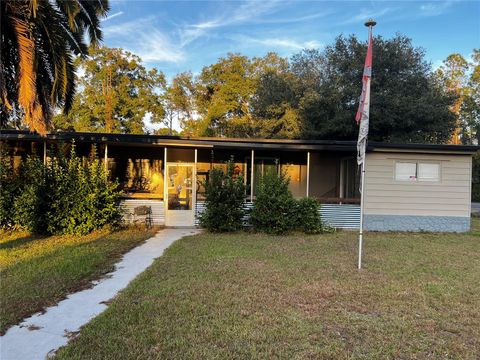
[[256, 296], [36, 272]]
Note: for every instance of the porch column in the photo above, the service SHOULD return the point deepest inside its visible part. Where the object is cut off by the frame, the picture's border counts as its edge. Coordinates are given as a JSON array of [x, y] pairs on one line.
[[44, 152], [251, 175], [106, 160], [194, 185], [308, 173], [165, 200]]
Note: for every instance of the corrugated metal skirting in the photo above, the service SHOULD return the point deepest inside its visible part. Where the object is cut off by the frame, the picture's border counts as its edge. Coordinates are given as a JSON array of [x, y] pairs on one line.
[[158, 210], [342, 216], [200, 207]]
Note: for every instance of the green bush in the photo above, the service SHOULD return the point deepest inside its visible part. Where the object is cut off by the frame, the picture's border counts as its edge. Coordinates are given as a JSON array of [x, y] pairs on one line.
[[8, 187], [66, 196], [273, 211], [308, 217], [224, 197], [29, 204]]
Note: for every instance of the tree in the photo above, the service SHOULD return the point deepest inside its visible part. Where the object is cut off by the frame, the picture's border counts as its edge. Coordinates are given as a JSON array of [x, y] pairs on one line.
[[179, 100], [39, 40], [224, 92], [116, 94], [406, 105]]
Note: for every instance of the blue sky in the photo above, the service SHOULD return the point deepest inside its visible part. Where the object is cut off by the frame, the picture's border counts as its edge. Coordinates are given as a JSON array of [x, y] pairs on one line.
[[176, 36]]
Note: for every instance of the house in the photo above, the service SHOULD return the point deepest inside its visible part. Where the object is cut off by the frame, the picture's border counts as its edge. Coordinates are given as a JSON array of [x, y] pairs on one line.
[[408, 187]]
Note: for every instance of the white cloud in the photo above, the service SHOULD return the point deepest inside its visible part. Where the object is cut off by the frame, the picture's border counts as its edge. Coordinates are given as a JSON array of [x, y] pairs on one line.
[[247, 12], [112, 16], [141, 37], [435, 9], [283, 43]]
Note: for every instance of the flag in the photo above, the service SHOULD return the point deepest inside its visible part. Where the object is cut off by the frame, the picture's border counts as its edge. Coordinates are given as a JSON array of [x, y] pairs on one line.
[[363, 112]]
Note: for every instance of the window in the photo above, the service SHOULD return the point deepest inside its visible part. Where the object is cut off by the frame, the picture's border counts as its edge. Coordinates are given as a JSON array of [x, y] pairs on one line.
[[415, 171], [428, 172], [406, 171]]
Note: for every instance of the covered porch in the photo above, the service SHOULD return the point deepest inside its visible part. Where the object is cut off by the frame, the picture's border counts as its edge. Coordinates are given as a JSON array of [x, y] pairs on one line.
[[166, 174]]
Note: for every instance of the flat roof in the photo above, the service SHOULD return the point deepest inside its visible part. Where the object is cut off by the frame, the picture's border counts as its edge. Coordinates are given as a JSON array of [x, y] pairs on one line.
[[237, 143]]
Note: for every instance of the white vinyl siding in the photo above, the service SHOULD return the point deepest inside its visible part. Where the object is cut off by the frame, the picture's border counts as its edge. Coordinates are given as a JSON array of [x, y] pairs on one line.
[[448, 195]]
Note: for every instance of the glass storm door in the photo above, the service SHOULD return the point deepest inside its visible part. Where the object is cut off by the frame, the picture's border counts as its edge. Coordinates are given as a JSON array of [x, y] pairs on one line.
[[180, 195]]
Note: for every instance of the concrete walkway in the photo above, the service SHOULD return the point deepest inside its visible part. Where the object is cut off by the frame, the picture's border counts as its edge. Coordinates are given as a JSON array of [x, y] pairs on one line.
[[42, 334]]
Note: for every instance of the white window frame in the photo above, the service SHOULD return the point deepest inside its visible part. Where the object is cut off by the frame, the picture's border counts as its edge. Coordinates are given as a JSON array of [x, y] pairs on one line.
[[417, 178]]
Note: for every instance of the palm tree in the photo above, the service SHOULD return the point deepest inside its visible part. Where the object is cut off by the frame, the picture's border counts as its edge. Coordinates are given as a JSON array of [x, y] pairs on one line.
[[39, 40]]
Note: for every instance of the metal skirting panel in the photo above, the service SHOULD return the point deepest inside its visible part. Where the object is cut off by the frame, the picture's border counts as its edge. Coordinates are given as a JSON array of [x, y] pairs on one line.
[[343, 216], [158, 210], [200, 207], [336, 215]]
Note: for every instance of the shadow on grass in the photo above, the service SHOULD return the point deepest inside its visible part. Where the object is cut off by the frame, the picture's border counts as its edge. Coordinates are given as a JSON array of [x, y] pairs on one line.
[[20, 241]]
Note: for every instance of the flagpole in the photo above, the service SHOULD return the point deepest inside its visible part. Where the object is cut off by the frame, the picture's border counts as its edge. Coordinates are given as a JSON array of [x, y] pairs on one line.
[[370, 24]]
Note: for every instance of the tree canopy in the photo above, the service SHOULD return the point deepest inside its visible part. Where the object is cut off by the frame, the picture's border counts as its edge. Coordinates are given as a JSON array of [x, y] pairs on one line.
[[117, 92]]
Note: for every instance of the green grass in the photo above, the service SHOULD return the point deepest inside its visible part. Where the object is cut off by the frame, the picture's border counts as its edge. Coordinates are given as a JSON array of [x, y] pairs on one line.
[[250, 296], [36, 272]]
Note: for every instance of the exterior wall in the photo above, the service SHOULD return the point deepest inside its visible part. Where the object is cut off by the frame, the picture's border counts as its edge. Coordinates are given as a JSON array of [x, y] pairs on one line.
[[442, 205]]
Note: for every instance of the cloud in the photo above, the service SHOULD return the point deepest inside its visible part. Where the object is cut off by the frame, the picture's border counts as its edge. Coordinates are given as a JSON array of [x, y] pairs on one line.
[[142, 37], [246, 12], [113, 16], [435, 9], [364, 15], [277, 43]]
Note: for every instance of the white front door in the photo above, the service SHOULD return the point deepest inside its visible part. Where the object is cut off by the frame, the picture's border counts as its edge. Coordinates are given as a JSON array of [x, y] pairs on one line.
[[180, 205]]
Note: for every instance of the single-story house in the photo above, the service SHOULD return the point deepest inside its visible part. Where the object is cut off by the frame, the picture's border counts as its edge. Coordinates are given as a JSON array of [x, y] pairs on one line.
[[408, 187]]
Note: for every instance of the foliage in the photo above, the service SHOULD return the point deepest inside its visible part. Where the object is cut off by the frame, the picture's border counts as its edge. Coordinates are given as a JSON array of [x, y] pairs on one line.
[[69, 195], [308, 216], [476, 177], [225, 194], [117, 92], [38, 42], [274, 208], [8, 187], [461, 79]]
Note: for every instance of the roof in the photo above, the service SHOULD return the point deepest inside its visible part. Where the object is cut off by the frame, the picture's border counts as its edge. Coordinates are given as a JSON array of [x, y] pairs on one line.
[[237, 143]]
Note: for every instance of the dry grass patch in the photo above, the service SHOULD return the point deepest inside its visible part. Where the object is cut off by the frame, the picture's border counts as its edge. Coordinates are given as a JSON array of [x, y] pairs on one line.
[[250, 296]]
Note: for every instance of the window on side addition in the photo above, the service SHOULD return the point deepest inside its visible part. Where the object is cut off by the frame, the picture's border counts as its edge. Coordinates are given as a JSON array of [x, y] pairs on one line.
[[417, 171]]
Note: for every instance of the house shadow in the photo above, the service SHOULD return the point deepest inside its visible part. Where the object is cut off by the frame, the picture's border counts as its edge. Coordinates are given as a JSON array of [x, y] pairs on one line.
[[20, 241]]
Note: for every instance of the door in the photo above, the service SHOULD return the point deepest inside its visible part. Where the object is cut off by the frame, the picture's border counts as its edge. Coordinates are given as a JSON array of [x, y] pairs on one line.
[[180, 207]]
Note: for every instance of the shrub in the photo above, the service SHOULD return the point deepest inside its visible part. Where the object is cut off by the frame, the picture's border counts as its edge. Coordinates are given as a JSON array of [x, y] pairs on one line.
[[308, 217], [8, 188], [224, 197], [66, 196], [273, 211], [29, 204]]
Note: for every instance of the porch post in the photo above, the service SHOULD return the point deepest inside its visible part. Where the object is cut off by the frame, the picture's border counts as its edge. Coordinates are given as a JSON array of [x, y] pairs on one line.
[[251, 175], [106, 160], [308, 173], [44, 152], [165, 177], [194, 186]]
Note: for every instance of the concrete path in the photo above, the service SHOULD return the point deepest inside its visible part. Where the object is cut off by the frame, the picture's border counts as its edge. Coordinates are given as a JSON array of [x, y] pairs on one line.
[[42, 334]]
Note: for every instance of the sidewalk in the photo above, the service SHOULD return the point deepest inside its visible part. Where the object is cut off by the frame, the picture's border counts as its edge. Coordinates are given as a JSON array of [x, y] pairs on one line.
[[42, 334]]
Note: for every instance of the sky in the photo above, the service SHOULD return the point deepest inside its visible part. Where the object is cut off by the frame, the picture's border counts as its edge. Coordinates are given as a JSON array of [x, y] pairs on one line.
[[176, 36]]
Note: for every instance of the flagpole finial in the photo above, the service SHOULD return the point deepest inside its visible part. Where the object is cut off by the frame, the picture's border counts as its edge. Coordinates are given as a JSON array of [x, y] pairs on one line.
[[370, 23]]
